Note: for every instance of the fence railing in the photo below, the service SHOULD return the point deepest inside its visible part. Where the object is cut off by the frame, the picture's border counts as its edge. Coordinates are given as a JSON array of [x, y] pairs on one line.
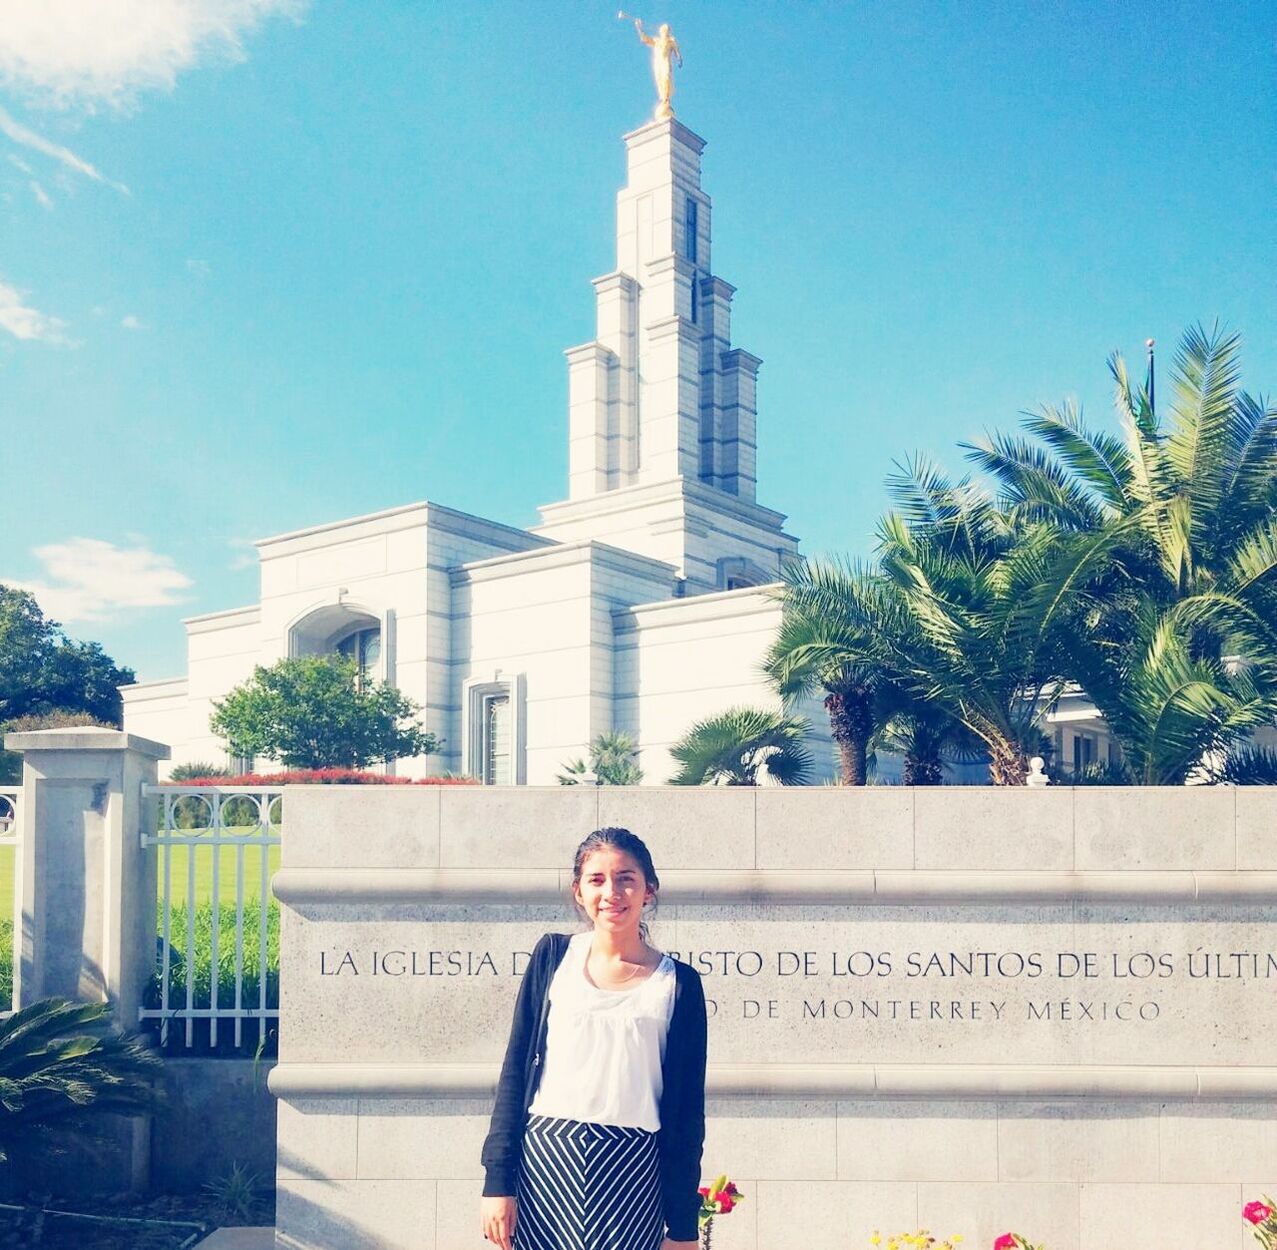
[[215, 848], [10, 804], [10, 797]]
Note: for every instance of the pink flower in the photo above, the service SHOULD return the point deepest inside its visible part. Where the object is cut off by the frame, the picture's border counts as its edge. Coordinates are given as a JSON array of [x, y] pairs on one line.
[[725, 1203], [704, 1191], [731, 1189], [1005, 1242], [1256, 1212]]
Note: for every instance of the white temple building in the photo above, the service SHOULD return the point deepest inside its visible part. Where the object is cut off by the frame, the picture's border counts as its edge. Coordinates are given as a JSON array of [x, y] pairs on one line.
[[636, 603]]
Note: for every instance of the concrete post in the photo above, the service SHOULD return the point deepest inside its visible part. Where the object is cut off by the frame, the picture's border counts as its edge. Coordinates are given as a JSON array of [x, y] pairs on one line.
[[85, 911], [85, 886]]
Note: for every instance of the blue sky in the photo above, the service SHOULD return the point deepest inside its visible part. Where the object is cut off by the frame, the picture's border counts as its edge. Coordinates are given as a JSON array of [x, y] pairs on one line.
[[264, 264]]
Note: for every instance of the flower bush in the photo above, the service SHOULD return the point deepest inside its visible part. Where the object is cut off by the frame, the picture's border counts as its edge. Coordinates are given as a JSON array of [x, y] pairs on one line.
[[1263, 1215], [1013, 1241], [322, 777]]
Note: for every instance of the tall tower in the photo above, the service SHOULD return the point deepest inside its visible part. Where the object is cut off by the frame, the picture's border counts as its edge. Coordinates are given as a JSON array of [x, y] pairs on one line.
[[661, 408]]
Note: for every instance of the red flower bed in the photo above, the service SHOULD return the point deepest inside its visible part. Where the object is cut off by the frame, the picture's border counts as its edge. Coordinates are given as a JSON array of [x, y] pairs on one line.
[[323, 777]]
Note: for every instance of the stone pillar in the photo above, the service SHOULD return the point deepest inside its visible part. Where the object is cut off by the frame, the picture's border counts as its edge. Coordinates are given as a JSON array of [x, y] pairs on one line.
[[589, 370], [616, 295], [715, 317], [85, 885], [670, 406], [740, 418], [85, 911]]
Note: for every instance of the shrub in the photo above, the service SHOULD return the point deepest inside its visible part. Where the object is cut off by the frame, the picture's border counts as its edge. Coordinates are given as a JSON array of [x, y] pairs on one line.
[[202, 980], [320, 777], [62, 1066], [198, 772]]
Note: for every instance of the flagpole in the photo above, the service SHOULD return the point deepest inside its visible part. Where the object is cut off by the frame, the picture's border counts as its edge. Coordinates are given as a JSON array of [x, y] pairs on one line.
[[1148, 385]]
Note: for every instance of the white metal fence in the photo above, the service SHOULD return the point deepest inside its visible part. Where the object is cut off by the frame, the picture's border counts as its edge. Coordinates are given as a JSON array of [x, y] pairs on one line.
[[10, 797], [220, 832], [10, 804]]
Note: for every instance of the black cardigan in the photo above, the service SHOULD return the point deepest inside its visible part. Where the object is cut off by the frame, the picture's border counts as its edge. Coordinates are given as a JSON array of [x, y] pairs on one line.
[[682, 1108]]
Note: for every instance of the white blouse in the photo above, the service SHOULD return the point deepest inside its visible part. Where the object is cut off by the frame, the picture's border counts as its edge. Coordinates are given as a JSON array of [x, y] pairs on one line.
[[603, 1052]]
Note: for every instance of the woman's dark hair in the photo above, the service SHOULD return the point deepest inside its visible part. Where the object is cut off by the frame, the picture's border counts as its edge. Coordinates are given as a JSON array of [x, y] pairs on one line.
[[621, 840]]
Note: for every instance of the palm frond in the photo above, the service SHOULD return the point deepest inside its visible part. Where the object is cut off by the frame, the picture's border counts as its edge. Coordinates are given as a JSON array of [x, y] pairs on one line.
[[1034, 485], [1203, 385], [731, 748], [1098, 459]]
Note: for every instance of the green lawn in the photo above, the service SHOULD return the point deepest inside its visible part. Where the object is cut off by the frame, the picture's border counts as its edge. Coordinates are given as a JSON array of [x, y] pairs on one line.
[[204, 873], [178, 857], [6, 882]]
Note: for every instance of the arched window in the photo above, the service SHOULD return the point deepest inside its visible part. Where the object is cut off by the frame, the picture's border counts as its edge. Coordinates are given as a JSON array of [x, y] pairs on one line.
[[364, 647], [342, 629]]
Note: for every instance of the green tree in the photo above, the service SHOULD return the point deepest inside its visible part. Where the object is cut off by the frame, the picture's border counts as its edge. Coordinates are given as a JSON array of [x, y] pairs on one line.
[[731, 748], [611, 761], [42, 671], [1175, 637], [309, 712]]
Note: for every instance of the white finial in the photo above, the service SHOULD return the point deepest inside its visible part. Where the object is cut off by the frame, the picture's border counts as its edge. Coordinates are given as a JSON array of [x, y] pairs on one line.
[[1036, 775]]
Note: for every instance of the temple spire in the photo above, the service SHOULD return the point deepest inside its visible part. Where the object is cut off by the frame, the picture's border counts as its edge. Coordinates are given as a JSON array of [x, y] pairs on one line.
[[661, 394]]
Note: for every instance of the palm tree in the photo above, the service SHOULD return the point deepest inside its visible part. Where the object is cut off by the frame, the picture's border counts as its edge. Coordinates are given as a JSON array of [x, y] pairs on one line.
[[611, 761], [927, 735], [989, 598], [837, 625], [730, 749], [1192, 579], [62, 1066]]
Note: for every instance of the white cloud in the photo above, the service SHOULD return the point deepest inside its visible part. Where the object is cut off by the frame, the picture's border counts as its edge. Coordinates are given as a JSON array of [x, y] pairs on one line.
[[245, 554], [41, 195], [86, 579], [27, 323], [201, 268], [132, 322], [105, 52], [38, 143], [18, 163]]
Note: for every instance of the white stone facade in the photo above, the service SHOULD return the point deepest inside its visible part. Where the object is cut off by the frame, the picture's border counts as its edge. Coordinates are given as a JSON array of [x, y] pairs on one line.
[[637, 603]]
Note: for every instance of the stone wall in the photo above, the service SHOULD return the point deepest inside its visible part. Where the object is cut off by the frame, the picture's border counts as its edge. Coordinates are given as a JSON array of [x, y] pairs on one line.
[[971, 1009], [219, 1112]]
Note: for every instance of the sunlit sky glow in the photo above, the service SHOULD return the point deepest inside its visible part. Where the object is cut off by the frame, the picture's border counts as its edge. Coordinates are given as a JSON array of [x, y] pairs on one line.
[[267, 264]]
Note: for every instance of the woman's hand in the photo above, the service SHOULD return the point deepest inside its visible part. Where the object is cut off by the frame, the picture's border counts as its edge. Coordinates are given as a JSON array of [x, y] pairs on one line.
[[667, 1244], [499, 1216]]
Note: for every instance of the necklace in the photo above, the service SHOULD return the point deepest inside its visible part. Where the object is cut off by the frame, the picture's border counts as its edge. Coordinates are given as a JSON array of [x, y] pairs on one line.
[[624, 980]]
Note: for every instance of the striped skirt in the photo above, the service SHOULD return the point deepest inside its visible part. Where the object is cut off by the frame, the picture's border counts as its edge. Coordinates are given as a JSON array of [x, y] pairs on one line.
[[588, 1187]]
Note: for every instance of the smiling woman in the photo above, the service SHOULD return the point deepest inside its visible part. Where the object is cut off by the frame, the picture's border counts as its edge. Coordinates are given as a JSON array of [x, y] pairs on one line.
[[599, 1121]]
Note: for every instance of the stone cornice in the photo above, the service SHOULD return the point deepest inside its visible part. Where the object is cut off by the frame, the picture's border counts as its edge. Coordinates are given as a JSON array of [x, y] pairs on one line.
[[669, 125], [739, 358], [227, 619], [84, 738], [594, 352], [783, 887], [671, 490], [814, 1081], [583, 551], [714, 287], [386, 519], [617, 280]]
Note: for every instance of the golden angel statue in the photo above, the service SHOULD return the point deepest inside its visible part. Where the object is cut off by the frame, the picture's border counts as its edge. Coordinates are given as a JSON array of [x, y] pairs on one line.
[[665, 52]]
